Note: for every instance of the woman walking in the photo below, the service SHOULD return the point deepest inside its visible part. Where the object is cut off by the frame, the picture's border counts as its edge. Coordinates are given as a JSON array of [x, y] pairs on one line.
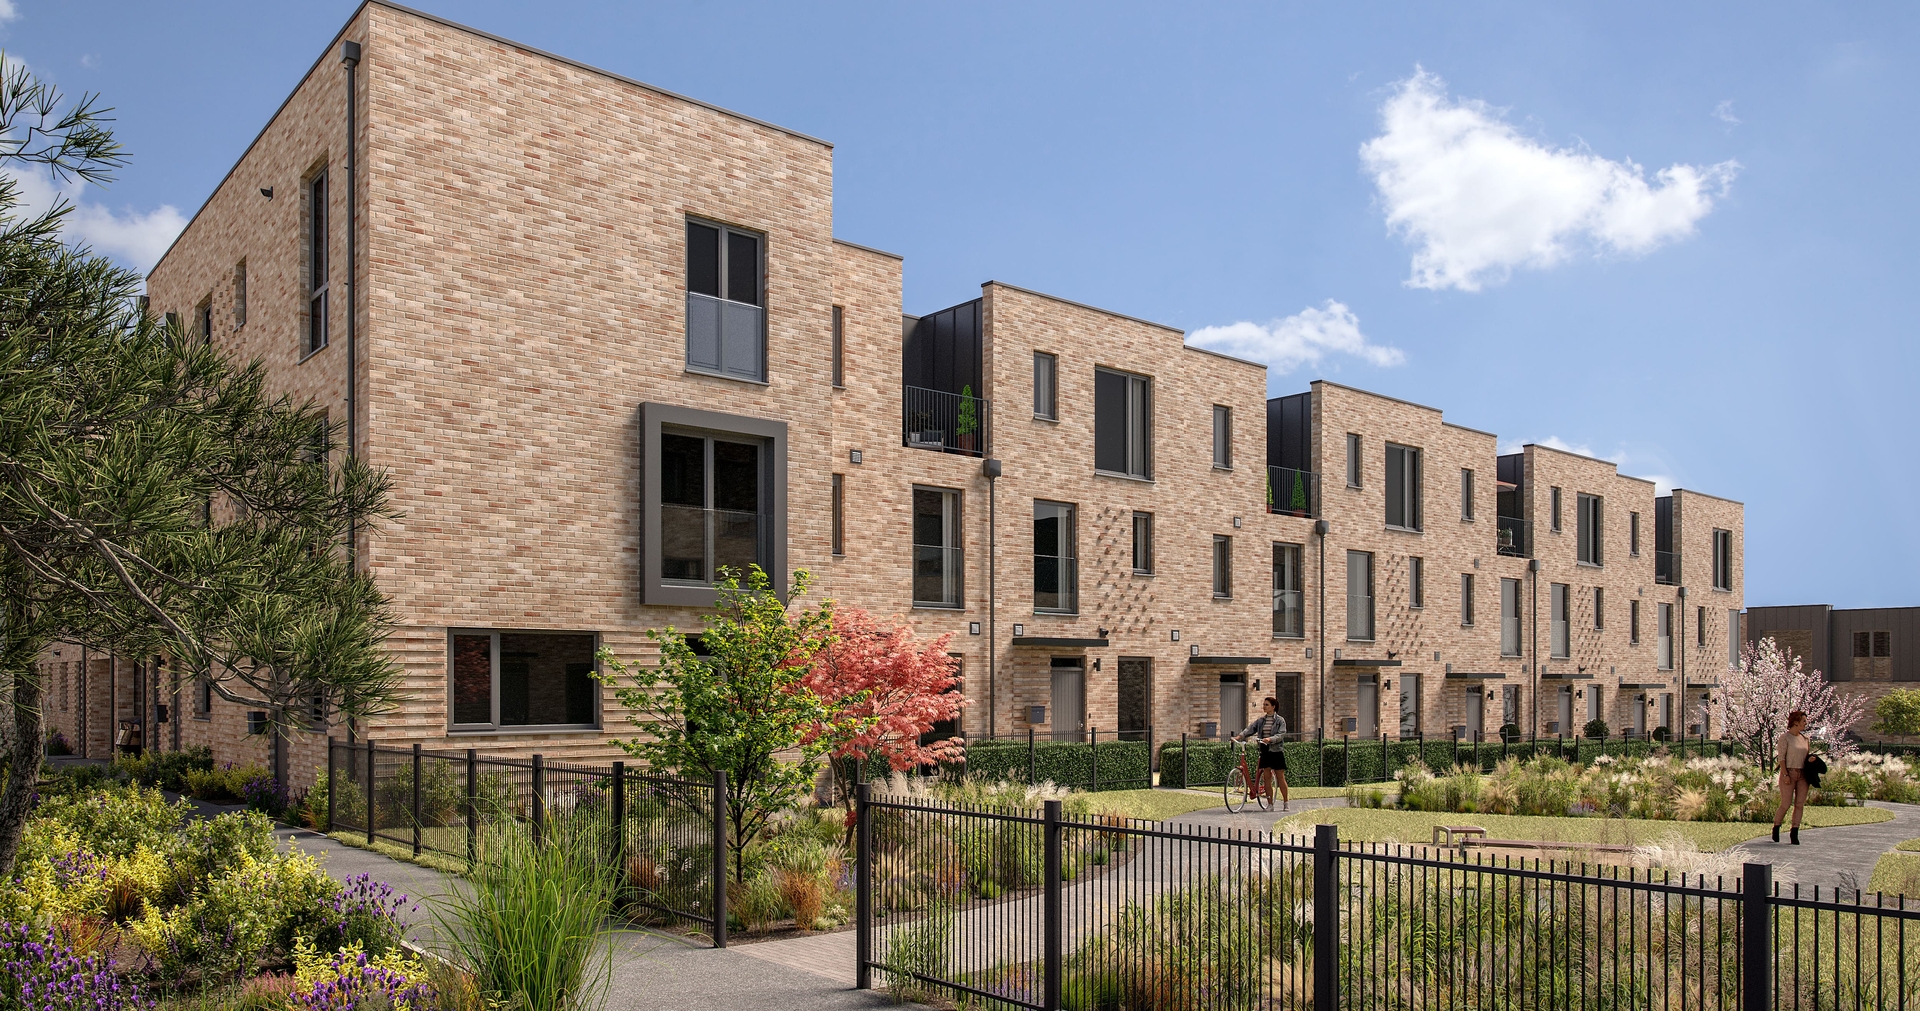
[[1792, 749], [1269, 731]]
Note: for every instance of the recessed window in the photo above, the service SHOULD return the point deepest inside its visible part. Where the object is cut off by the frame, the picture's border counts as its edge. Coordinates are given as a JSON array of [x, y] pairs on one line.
[[936, 547], [1633, 534], [203, 320], [240, 294], [1553, 509], [1559, 594], [1403, 487], [1663, 636], [317, 263], [1360, 595], [1222, 437], [839, 348], [1509, 617], [1599, 608], [1289, 607], [1222, 566], [1589, 533], [1733, 639], [1046, 388], [1466, 598], [1122, 423], [711, 493], [522, 679], [1723, 559], [1056, 572], [726, 316], [1353, 460], [839, 514], [1633, 622], [203, 697], [1143, 543], [1700, 628], [1416, 582], [1466, 494]]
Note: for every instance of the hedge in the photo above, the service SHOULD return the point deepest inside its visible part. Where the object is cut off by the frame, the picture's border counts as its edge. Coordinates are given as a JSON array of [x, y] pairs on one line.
[[1337, 763], [1122, 765]]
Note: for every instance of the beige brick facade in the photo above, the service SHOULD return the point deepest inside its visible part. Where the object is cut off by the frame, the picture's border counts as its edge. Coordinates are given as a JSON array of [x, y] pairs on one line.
[[521, 303]]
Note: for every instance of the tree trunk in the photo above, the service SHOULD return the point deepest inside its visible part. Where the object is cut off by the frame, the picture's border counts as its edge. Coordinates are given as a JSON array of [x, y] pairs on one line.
[[23, 762]]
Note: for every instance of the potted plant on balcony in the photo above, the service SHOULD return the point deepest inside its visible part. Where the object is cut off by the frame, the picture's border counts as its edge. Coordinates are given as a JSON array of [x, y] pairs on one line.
[[968, 427], [1298, 505]]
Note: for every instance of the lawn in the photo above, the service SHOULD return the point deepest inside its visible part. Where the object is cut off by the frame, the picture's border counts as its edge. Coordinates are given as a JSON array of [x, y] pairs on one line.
[[1898, 873], [1160, 805], [1368, 825]]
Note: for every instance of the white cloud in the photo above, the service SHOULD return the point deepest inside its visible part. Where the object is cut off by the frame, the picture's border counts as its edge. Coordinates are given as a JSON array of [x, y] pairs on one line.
[[8, 11], [91, 61], [134, 238], [1304, 338], [1662, 483], [1478, 198], [1724, 112]]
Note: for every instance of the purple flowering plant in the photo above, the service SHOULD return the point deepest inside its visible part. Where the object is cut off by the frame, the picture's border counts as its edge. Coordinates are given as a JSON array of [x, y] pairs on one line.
[[37, 973]]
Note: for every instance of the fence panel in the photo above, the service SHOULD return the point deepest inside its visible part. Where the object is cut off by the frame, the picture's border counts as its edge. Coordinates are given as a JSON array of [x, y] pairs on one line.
[[668, 842], [1832, 954]]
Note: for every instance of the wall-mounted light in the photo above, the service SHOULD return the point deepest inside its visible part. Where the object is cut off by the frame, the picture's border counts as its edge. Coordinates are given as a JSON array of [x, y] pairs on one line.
[[1236, 522], [1176, 635], [973, 628], [1386, 683], [1489, 695], [853, 456], [1579, 693], [1436, 656], [267, 191], [1449, 668], [1103, 633], [1309, 652], [1336, 654], [1096, 663], [1019, 630], [1193, 650]]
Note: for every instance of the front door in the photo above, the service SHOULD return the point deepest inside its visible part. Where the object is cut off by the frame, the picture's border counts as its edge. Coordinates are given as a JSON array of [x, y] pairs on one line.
[[1069, 698], [1369, 703], [1566, 710], [1233, 703], [1476, 713], [1136, 697], [1640, 716]]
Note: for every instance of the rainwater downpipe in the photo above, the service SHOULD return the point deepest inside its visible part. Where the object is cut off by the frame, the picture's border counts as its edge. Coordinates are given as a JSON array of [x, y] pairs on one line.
[[992, 469], [1320, 528]]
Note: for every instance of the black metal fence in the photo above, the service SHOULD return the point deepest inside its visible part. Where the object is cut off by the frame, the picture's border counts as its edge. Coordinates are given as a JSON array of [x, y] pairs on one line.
[[1026, 909], [669, 837]]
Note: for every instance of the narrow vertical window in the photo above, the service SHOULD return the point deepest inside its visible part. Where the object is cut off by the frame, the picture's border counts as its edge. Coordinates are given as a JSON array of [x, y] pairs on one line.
[[1222, 437], [1416, 582], [1143, 543], [203, 321], [1663, 636], [1723, 559], [1222, 566], [1466, 598], [1056, 574], [936, 547], [1558, 596], [1122, 423], [240, 294], [839, 348], [1403, 487], [1700, 628], [1289, 609], [1466, 494], [1733, 639], [1633, 622], [839, 514], [1046, 388], [1353, 460], [1633, 534], [1553, 506], [1360, 595], [1588, 529], [1509, 617], [1599, 608], [317, 263]]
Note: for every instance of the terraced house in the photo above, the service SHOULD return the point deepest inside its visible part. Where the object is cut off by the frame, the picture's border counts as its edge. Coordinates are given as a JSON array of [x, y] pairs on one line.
[[606, 342]]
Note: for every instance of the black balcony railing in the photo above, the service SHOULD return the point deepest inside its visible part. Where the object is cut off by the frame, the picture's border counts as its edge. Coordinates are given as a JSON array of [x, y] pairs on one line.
[[948, 422], [1515, 536], [1293, 492], [1666, 567]]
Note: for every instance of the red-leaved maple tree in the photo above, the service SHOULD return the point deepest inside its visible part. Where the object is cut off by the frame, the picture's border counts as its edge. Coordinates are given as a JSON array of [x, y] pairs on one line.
[[889, 687]]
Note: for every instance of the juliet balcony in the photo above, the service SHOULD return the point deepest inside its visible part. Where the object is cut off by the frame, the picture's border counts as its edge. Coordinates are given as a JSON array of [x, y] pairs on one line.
[[1293, 492], [946, 422]]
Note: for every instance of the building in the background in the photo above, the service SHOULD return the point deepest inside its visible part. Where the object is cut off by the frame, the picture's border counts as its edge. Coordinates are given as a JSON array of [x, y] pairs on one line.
[[605, 342], [1868, 650]]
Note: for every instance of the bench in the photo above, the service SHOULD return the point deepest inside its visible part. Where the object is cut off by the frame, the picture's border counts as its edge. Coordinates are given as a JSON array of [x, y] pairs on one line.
[[1451, 835], [1542, 844]]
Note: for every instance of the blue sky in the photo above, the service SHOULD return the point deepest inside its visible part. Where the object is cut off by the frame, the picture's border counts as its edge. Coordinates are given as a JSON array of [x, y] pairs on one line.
[[1670, 235]]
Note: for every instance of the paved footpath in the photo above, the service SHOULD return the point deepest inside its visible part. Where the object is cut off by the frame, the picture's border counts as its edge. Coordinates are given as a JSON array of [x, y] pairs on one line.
[[653, 971]]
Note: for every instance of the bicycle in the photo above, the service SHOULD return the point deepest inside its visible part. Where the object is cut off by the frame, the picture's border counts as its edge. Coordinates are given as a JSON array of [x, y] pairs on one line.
[[1243, 786]]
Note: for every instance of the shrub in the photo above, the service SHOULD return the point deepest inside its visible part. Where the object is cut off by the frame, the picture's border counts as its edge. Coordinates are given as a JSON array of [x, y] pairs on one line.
[[166, 770], [350, 978], [37, 971], [57, 743], [1596, 730], [115, 819], [1122, 765], [919, 948]]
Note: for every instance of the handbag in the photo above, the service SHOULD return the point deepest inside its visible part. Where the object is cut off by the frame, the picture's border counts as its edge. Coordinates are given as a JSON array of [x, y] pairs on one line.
[[1813, 770]]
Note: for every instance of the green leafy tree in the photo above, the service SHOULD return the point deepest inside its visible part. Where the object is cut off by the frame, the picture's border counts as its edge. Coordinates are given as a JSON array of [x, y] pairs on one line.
[[741, 706], [969, 422], [154, 497], [1897, 714]]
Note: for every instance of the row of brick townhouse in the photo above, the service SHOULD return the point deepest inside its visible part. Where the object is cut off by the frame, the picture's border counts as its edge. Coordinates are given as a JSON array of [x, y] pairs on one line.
[[605, 342]]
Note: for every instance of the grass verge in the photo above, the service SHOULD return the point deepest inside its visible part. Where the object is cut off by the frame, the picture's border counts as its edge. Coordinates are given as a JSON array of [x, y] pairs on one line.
[[427, 858], [1367, 825], [1897, 873]]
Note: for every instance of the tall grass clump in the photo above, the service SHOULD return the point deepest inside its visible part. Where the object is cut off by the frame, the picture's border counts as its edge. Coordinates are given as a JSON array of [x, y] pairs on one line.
[[531, 925]]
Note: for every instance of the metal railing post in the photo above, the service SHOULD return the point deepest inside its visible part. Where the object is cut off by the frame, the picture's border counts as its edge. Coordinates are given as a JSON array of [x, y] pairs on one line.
[[1052, 953], [539, 798], [1756, 935], [333, 785], [370, 812], [617, 813], [416, 798], [473, 798], [1153, 760], [720, 858], [1326, 917], [1186, 776], [1093, 758], [1030, 766], [863, 888]]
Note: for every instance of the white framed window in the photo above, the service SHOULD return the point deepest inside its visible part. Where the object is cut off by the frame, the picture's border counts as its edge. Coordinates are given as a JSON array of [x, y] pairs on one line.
[[1123, 424], [501, 679]]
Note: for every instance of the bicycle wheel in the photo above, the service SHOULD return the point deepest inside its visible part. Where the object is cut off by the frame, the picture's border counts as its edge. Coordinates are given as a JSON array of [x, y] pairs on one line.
[[1266, 792], [1236, 790]]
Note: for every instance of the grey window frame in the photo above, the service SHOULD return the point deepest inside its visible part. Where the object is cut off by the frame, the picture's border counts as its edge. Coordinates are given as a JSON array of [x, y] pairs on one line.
[[1733, 639], [653, 589], [839, 348], [1046, 388], [1136, 425], [1663, 635], [1466, 599], [1222, 437], [1589, 529], [1222, 567], [1355, 472], [1722, 559], [1553, 508], [1070, 574], [839, 545], [1407, 476], [1633, 534], [1142, 543], [1599, 608], [1466, 494], [1700, 628], [953, 504], [203, 319], [240, 294], [1416, 582], [1560, 621], [1633, 622], [1365, 599], [1294, 556], [724, 370], [319, 236], [1510, 592], [494, 726]]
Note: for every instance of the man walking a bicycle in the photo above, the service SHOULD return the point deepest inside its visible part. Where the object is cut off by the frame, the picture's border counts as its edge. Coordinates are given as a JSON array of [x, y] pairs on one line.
[[1269, 731]]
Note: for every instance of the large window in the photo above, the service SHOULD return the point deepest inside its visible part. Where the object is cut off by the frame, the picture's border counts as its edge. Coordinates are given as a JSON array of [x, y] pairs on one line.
[[1289, 610], [1222, 436], [726, 319], [1360, 596], [1466, 598], [1403, 487], [1509, 617], [1663, 636], [1122, 423], [1143, 543], [1589, 529], [521, 679], [1416, 582], [936, 547], [1559, 594], [1222, 565], [711, 514], [1466, 494], [1056, 575], [317, 263], [1046, 386], [1723, 559]]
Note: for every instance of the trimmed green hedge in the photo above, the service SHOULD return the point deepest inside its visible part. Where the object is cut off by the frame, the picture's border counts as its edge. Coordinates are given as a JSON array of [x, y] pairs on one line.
[[1122, 765], [1337, 763]]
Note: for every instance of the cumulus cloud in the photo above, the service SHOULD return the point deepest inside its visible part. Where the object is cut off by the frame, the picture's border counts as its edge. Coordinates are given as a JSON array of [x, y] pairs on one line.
[[1478, 198], [1662, 483], [1724, 112], [1304, 338], [136, 239], [8, 11]]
